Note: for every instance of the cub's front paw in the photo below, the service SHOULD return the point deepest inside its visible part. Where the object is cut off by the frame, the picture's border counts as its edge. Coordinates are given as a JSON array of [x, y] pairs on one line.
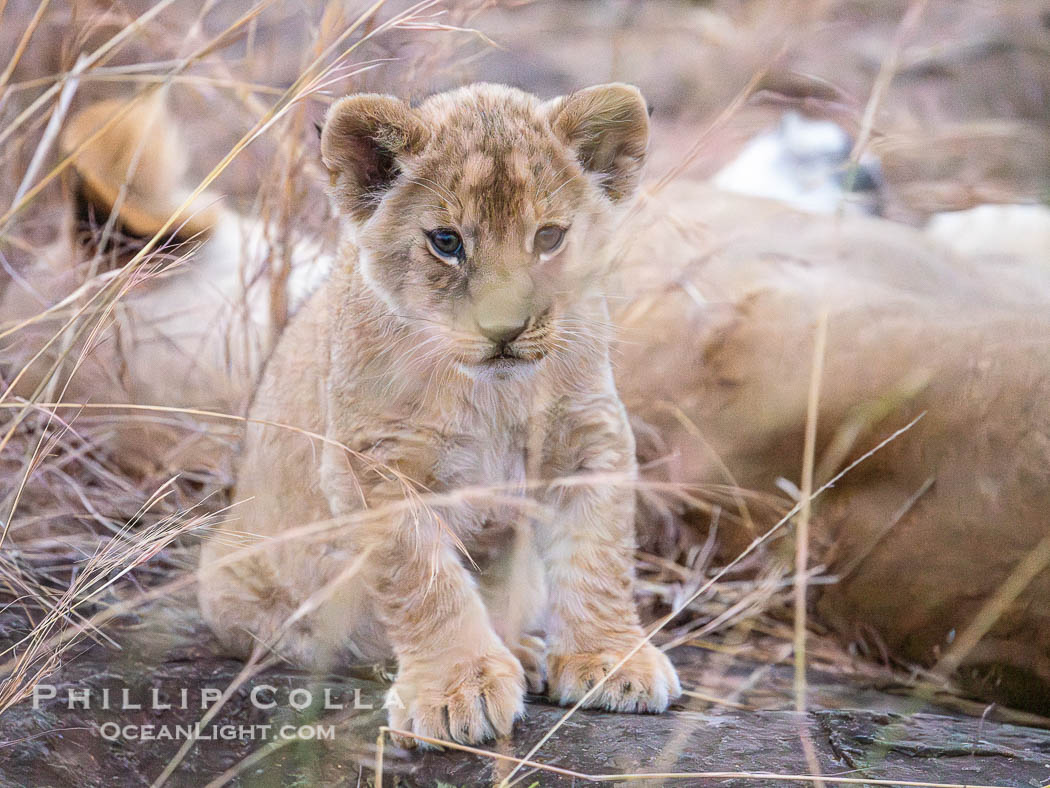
[[467, 701], [647, 682]]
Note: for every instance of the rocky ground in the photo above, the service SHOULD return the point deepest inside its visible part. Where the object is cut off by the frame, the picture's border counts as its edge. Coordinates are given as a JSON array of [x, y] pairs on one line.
[[165, 659]]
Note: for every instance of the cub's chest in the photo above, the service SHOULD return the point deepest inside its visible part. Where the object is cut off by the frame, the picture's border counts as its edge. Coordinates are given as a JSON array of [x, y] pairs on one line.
[[480, 460], [492, 471]]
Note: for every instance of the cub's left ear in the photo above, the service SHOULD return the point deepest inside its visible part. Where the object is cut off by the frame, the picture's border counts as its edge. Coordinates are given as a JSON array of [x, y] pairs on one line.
[[608, 127]]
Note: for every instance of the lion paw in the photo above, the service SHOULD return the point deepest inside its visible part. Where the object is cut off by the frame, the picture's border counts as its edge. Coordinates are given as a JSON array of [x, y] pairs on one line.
[[469, 701], [647, 682], [531, 652]]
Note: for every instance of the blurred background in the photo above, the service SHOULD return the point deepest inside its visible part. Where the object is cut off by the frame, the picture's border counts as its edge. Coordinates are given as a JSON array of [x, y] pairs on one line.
[[959, 117]]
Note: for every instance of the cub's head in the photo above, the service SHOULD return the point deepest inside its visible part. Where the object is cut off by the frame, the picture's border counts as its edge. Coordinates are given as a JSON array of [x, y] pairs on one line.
[[484, 216]]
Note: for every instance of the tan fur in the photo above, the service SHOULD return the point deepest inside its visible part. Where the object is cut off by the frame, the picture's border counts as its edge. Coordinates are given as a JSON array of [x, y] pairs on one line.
[[137, 166], [390, 359]]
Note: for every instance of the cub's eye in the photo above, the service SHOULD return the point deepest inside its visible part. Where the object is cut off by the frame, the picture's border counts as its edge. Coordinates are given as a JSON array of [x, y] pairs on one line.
[[445, 243], [549, 238]]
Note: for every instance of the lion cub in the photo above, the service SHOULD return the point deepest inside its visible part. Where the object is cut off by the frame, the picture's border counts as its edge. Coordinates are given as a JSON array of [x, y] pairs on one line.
[[475, 480]]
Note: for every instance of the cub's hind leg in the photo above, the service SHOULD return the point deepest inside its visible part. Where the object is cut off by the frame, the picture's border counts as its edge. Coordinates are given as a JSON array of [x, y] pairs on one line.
[[320, 622], [236, 600]]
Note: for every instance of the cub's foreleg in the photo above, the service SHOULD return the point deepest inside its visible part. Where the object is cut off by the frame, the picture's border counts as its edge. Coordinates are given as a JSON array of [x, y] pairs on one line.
[[456, 679], [588, 549]]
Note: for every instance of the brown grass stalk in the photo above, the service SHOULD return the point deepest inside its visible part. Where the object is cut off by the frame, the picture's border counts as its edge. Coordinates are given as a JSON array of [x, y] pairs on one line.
[[802, 542], [255, 665], [23, 42], [887, 70], [641, 776]]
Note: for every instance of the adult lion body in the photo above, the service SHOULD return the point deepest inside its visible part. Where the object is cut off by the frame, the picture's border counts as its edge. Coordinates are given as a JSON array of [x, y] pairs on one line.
[[944, 533]]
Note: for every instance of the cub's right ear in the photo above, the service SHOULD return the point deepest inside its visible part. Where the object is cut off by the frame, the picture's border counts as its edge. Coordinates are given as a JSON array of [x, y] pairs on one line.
[[362, 139]]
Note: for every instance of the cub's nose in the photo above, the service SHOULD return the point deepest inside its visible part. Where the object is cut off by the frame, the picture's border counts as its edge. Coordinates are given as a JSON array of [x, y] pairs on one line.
[[503, 333]]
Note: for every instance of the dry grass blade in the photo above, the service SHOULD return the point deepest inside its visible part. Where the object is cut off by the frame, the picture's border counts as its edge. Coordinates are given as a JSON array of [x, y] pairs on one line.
[[258, 756], [54, 124], [802, 527], [98, 56], [698, 145], [802, 541], [34, 23], [640, 776], [887, 70], [115, 559], [695, 432], [1030, 567]]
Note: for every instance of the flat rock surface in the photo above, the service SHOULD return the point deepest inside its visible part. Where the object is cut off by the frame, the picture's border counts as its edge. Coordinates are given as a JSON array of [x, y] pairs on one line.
[[117, 716], [47, 743]]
